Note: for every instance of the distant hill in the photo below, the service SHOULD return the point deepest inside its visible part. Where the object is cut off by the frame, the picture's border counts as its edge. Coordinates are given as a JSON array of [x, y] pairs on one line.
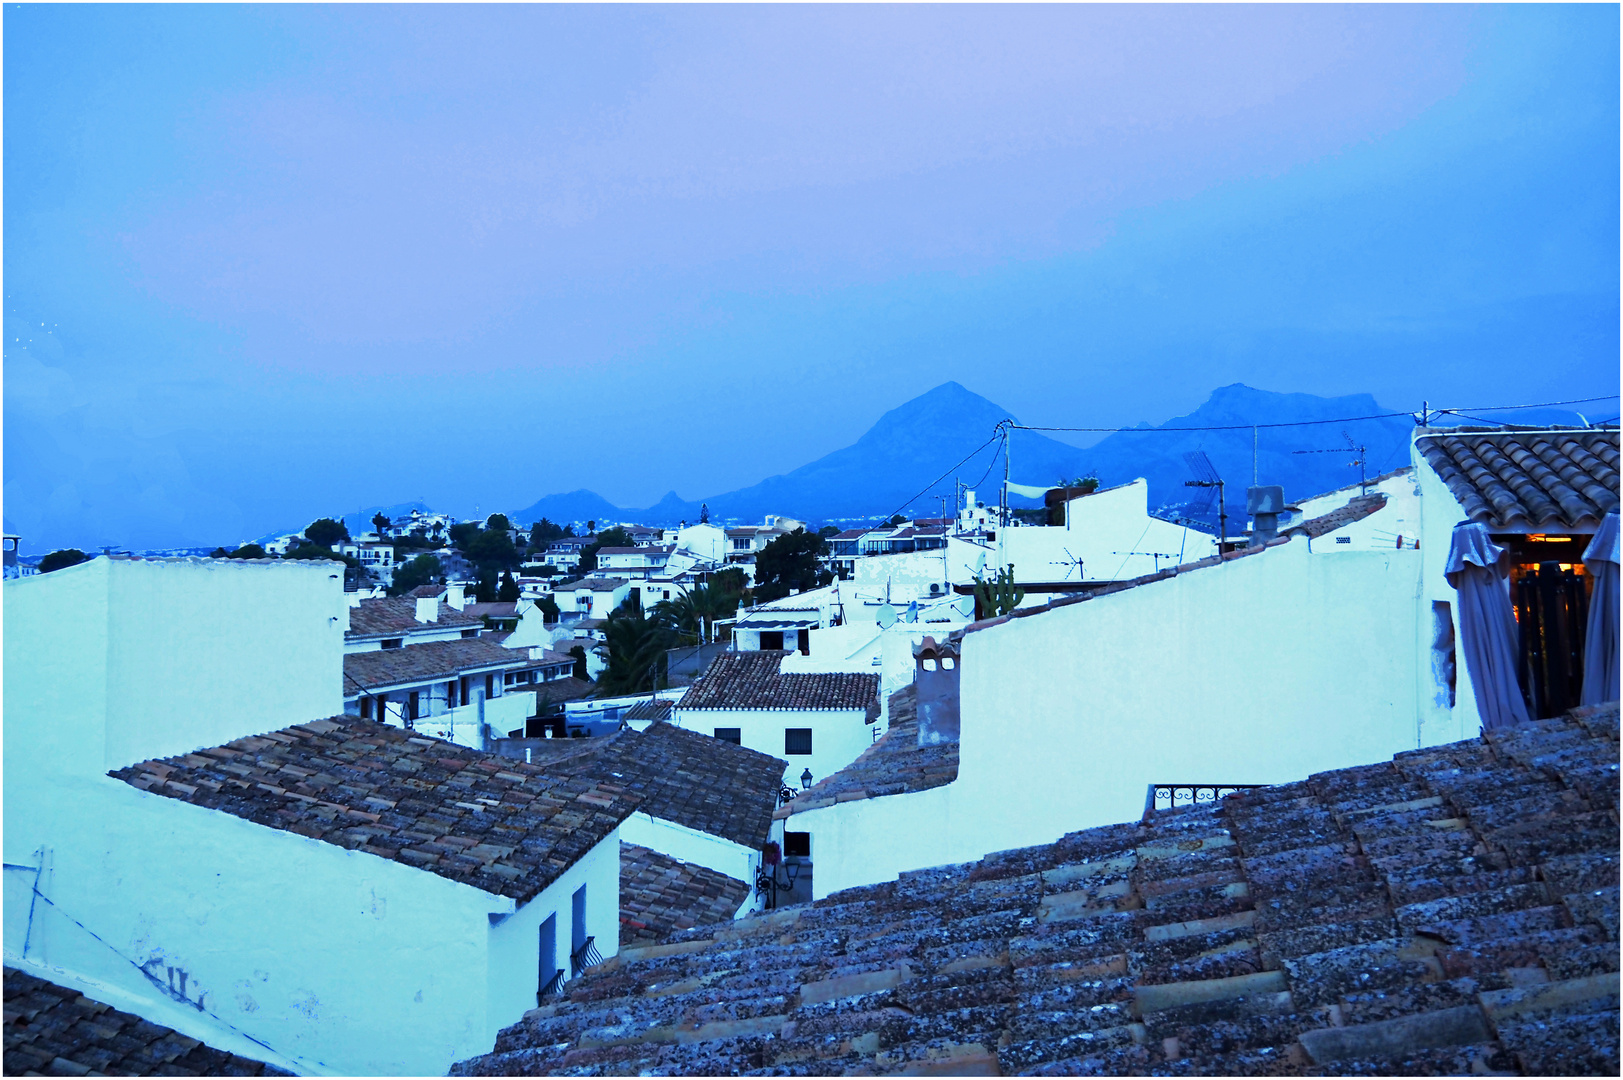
[[892, 466]]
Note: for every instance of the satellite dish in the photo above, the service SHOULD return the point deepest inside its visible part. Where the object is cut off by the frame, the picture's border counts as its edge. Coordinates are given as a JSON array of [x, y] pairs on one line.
[[965, 606], [886, 616]]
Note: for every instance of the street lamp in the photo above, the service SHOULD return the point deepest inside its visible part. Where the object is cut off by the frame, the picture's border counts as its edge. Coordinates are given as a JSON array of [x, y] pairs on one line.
[[805, 780]]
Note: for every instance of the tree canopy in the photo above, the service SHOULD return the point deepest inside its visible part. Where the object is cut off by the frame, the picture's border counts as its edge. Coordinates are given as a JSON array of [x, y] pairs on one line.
[[326, 532], [59, 560], [508, 592], [636, 654], [545, 532], [380, 522], [423, 570], [498, 521], [789, 562], [248, 551]]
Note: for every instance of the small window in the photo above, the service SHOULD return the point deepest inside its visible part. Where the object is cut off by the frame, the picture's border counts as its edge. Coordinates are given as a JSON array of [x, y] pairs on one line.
[[797, 845], [470, 633], [731, 734], [1343, 539], [797, 740], [771, 639], [393, 642]]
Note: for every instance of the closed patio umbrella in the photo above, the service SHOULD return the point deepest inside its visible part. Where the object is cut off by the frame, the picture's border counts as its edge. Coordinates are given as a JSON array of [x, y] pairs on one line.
[[1479, 570], [1600, 636]]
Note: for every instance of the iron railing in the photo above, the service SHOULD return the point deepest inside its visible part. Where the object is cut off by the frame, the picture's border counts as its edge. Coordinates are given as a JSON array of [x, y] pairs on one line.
[[1172, 796], [786, 795], [551, 987], [584, 957]]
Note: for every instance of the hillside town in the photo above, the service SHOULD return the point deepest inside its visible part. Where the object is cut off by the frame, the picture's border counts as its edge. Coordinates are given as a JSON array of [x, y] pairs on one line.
[[1332, 789]]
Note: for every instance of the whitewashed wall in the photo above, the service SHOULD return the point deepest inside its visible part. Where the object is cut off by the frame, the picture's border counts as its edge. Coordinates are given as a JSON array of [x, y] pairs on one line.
[[838, 735], [344, 962], [1439, 513], [1263, 670], [1102, 530], [133, 660], [691, 846]]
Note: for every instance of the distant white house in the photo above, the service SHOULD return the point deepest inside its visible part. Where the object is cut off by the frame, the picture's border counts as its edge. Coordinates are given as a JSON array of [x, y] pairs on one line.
[[819, 723], [591, 598], [634, 563], [187, 840]]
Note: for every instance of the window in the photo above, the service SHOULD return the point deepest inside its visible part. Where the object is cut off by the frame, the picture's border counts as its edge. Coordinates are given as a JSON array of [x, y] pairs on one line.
[[393, 642], [490, 686], [797, 740], [366, 708], [797, 845], [470, 633], [731, 734], [577, 926], [415, 705], [547, 968], [771, 639], [1443, 662]]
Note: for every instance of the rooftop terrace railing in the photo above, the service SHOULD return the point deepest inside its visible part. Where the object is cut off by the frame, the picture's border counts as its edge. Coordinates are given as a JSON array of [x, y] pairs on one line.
[[1173, 796]]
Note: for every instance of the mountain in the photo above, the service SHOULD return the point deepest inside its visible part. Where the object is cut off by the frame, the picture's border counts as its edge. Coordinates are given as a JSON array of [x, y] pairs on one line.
[[898, 464]]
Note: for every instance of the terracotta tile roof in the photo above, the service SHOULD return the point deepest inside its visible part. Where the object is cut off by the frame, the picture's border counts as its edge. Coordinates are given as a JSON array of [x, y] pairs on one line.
[[503, 826], [1357, 509], [654, 709], [591, 584], [426, 661], [427, 591], [53, 1031], [496, 609], [1454, 910], [568, 688], [895, 765], [642, 549], [751, 680], [1507, 478], [392, 615], [660, 895]]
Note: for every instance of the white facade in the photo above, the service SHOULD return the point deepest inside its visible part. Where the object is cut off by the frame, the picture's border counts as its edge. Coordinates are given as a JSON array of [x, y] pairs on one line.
[[1107, 536], [838, 735], [592, 600], [332, 961]]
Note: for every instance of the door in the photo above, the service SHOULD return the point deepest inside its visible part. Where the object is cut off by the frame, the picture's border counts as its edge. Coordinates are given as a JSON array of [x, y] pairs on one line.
[[1552, 607]]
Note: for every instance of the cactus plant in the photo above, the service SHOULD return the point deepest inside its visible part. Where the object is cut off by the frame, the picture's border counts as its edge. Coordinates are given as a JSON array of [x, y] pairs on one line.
[[999, 595]]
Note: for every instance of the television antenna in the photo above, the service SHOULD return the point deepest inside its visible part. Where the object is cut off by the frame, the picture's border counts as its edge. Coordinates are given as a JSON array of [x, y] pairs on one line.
[[1206, 477], [1068, 562], [1156, 555], [1363, 484]]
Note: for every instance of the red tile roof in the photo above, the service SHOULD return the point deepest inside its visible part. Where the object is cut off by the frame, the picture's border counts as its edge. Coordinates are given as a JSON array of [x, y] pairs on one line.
[[503, 826], [428, 661], [53, 1031], [394, 615], [751, 680], [660, 895], [1519, 479], [1452, 911]]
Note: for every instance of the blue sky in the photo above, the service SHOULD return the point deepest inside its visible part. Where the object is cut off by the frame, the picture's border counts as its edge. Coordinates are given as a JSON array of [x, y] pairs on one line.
[[267, 263]]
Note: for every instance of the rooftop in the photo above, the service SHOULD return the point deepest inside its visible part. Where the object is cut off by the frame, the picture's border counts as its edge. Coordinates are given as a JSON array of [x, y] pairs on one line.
[[652, 709], [1454, 910], [392, 615], [503, 826], [496, 609], [645, 549], [895, 765], [53, 1031], [1514, 479], [594, 584], [660, 895], [426, 661], [752, 680]]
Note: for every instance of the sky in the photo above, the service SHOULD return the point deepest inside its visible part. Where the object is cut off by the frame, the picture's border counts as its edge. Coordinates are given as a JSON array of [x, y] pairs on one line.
[[263, 264]]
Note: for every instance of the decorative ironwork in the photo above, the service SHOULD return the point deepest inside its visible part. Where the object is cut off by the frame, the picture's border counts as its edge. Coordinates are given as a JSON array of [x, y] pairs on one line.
[[786, 795], [1172, 796], [584, 957], [553, 986]]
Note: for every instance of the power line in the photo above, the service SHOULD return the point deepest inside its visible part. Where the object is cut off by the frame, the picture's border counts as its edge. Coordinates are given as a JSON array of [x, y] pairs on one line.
[[967, 457], [1310, 423]]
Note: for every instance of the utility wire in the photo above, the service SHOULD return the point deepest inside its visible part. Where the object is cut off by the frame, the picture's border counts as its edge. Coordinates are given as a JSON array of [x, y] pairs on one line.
[[995, 436]]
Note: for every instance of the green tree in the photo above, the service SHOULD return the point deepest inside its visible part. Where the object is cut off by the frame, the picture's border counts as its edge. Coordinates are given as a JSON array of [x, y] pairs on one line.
[[316, 551], [828, 531], [691, 616], [492, 550], [508, 592], [326, 532], [498, 522], [615, 537], [60, 560], [248, 551], [218, 553], [790, 562], [422, 570], [380, 522], [463, 532], [549, 609], [899, 519], [580, 671], [543, 533], [636, 654]]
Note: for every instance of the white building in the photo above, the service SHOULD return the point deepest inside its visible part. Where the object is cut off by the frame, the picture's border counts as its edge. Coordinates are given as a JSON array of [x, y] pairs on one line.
[[376, 556], [817, 722], [395, 621], [590, 598], [454, 690], [352, 898], [636, 563]]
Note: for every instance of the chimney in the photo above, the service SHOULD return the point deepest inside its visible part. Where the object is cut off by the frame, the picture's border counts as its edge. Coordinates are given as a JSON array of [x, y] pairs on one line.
[[1264, 504], [454, 596], [428, 609]]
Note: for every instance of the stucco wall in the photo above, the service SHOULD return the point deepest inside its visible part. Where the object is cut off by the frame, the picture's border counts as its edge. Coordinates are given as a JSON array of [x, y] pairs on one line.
[[142, 659], [838, 736], [342, 961], [691, 846]]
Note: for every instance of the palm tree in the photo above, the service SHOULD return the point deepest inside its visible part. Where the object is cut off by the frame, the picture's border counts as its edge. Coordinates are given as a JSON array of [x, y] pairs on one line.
[[692, 615], [636, 654]]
